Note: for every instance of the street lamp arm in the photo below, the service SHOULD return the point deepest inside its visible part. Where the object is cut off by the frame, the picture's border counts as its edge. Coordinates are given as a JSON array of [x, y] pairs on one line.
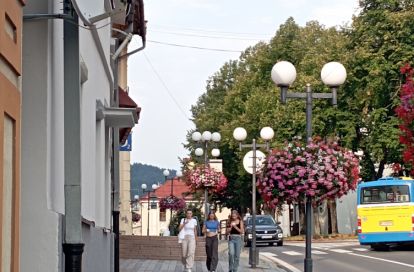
[[251, 145]]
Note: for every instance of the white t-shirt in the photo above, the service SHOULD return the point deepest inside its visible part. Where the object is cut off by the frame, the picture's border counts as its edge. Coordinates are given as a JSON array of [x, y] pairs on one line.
[[188, 228]]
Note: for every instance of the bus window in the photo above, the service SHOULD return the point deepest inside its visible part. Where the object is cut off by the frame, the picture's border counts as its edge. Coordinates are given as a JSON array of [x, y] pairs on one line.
[[385, 194]]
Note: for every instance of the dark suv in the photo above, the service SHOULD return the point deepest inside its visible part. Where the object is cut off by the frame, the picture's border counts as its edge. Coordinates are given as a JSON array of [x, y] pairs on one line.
[[267, 231]]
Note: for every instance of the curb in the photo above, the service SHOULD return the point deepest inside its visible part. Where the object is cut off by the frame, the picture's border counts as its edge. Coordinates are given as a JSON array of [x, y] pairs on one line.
[[282, 264], [323, 241]]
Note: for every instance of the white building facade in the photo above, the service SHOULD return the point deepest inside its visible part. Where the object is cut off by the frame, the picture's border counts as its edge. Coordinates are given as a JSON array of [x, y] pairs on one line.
[[50, 202]]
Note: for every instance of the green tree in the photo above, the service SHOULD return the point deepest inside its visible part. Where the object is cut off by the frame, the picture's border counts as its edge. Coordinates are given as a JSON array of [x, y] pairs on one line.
[[381, 41], [242, 94]]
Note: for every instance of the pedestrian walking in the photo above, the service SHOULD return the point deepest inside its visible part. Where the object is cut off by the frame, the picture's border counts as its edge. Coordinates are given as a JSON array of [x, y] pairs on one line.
[[188, 231], [235, 230], [210, 229]]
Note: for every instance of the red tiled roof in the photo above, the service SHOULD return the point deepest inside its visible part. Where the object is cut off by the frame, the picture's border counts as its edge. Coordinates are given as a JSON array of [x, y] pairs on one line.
[[180, 190]]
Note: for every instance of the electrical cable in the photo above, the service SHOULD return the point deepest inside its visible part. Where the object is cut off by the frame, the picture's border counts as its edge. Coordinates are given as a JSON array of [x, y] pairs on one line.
[[165, 86], [205, 36], [195, 47], [213, 31]]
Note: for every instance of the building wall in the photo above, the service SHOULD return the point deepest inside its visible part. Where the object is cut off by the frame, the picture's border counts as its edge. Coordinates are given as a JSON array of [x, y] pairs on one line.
[[346, 209], [41, 239], [10, 100], [125, 218], [42, 145]]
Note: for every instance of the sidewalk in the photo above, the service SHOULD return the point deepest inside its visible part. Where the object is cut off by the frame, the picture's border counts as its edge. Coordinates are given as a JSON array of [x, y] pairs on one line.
[[138, 265]]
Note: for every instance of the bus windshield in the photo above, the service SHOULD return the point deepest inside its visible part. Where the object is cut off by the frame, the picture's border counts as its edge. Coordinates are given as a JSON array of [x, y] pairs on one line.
[[385, 194]]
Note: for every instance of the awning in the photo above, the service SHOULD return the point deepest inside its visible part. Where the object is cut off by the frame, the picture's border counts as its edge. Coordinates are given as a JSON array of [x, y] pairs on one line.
[[123, 117], [125, 101]]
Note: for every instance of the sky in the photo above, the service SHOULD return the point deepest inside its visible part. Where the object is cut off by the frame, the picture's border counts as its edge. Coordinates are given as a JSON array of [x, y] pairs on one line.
[[166, 80]]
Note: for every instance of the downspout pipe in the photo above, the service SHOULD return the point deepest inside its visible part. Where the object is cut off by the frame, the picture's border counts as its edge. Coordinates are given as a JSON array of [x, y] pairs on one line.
[[72, 244], [124, 43]]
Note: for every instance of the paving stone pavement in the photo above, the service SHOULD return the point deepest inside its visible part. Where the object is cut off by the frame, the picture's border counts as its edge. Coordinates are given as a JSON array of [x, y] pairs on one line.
[[139, 265]]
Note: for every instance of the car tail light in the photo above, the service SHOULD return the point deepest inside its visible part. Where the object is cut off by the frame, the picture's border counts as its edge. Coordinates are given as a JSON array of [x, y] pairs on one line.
[[359, 225]]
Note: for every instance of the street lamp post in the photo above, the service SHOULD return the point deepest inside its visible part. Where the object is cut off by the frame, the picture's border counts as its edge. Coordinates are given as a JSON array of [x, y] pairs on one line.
[[205, 138], [333, 74], [240, 134], [144, 190]]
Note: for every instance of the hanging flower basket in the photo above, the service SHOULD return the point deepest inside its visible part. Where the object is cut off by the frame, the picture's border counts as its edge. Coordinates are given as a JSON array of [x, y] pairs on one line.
[[136, 217], [172, 202], [319, 170], [203, 177]]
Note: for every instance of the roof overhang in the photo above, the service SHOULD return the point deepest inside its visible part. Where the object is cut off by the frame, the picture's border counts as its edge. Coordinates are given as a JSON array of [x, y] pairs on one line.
[[116, 117]]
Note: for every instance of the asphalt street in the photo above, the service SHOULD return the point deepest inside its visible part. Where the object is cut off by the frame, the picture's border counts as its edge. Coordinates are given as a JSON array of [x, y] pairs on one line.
[[343, 257]]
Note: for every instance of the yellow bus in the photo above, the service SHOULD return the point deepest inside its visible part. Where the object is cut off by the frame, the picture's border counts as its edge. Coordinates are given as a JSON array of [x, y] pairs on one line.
[[386, 212]]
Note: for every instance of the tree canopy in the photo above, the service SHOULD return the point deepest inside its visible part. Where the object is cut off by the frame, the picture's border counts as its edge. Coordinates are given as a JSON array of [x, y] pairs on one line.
[[373, 48]]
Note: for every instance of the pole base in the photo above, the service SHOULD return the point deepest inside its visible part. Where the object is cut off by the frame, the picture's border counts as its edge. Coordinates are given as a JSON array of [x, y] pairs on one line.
[[73, 257], [308, 265], [253, 257]]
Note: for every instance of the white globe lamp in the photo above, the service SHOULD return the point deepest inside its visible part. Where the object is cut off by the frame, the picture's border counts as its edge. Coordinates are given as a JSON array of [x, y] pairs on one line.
[[333, 74], [267, 133], [196, 136], [215, 152], [240, 134], [206, 136], [216, 137], [283, 73], [199, 152]]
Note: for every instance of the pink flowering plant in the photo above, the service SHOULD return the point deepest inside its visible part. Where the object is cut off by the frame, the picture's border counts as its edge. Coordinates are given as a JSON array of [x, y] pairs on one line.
[[202, 177], [321, 170], [172, 202]]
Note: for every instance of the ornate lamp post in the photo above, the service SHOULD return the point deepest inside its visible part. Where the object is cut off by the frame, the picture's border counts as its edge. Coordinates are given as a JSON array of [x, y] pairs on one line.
[[333, 74], [240, 134], [205, 138], [149, 191]]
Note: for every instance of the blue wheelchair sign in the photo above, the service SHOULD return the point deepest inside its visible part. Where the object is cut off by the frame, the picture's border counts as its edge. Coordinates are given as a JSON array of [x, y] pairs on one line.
[[128, 144]]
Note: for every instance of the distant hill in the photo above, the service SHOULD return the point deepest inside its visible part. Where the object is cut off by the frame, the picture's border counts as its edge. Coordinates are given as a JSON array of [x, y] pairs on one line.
[[148, 174]]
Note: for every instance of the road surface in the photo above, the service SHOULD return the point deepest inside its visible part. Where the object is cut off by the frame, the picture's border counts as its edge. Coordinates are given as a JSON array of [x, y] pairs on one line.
[[343, 257]]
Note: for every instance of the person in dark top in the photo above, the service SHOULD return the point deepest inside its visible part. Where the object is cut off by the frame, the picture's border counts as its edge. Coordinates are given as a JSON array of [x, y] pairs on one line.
[[235, 230], [210, 229]]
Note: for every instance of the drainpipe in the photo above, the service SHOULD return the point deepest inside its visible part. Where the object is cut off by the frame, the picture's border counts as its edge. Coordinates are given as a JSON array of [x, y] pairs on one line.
[[72, 245], [115, 174]]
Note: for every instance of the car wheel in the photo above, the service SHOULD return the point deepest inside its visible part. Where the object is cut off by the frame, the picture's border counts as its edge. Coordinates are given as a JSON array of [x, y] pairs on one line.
[[280, 243]]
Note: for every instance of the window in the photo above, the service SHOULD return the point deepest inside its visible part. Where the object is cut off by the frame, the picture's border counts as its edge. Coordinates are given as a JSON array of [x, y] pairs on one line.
[[11, 29], [385, 194], [163, 216], [7, 197]]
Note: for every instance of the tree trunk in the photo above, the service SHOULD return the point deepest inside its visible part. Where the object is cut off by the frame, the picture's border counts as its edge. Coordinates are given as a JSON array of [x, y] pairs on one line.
[[381, 169], [316, 222], [334, 221], [302, 218]]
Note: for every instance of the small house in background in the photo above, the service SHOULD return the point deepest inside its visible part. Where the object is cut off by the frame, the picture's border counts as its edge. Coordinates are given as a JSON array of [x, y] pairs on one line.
[[156, 220]]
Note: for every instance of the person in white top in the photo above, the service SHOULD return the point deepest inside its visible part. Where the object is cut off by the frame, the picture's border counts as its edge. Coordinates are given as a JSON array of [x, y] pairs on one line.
[[188, 230]]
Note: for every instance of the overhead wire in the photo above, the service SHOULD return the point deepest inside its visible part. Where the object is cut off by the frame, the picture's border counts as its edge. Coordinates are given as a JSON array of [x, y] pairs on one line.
[[165, 87], [205, 36], [212, 31], [195, 47]]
